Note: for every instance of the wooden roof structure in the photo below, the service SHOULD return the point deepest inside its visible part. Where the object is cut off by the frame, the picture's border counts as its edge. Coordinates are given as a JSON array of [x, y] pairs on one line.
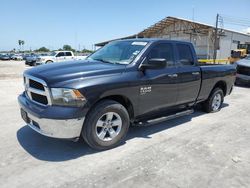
[[189, 27]]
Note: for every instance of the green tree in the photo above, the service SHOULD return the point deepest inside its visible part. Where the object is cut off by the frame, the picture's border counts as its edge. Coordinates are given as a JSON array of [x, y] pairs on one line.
[[68, 48], [42, 49], [20, 43], [86, 51]]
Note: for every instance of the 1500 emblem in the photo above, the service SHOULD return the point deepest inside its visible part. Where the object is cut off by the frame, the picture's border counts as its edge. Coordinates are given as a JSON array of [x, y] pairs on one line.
[[145, 90]]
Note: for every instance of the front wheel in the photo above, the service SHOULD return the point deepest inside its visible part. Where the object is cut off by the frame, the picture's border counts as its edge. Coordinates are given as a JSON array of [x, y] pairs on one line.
[[214, 101], [106, 125], [47, 62]]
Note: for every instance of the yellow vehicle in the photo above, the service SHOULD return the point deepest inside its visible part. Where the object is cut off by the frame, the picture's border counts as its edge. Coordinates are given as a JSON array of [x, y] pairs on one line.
[[245, 46], [237, 55], [242, 51]]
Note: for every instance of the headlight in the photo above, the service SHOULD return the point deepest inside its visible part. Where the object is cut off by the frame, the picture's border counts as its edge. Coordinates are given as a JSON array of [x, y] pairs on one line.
[[67, 97]]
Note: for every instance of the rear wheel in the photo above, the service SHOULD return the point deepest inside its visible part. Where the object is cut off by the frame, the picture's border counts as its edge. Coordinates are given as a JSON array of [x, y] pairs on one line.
[[106, 125], [214, 102]]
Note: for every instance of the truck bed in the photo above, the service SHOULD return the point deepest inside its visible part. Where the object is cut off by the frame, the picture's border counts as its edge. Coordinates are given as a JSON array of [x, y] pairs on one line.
[[212, 74]]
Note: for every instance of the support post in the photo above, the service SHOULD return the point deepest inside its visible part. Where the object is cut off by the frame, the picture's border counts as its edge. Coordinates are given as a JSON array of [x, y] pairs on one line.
[[216, 38]]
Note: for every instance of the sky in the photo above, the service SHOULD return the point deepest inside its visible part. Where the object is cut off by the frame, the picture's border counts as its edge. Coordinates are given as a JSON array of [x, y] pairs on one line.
[[82, 23]]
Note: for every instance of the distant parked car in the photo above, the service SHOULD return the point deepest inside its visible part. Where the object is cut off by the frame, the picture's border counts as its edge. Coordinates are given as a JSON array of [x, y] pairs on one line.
[[17, 57], [25, 56], [243, 70], [5, 57], [31, 60], [59, 56], [11, 55]]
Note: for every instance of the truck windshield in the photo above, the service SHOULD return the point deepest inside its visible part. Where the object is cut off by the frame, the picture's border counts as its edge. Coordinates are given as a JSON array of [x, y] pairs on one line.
[[52, 54], [121, 52]]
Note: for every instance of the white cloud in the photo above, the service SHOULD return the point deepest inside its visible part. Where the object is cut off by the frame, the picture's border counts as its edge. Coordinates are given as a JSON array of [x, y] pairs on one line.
[[247, 30]]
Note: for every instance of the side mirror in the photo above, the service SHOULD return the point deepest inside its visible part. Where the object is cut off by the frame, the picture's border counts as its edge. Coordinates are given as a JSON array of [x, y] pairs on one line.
[[154, 63]]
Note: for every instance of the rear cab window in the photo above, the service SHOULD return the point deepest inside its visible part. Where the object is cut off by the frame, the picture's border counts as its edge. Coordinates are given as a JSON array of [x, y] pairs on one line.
[[68, 54]]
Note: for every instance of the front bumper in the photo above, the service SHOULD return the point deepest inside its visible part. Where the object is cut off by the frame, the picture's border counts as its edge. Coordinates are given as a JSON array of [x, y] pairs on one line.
[[62, 126], [67, 129], [30, 62], [243, 78], [39, 63]]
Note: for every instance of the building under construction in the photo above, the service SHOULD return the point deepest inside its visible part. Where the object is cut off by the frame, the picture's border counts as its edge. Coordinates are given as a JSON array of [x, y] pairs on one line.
[[201, 35]]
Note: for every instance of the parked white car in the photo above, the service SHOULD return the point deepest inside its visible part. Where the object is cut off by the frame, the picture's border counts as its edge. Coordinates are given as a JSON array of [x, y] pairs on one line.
[[17, 57], [58, 56]]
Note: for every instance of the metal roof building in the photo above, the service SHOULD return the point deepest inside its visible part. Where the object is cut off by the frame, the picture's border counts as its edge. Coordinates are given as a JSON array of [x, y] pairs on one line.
[[201, 35]]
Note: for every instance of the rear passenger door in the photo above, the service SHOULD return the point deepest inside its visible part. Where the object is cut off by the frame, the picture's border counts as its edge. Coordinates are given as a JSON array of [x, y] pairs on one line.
[[189, 76], [69, 56]]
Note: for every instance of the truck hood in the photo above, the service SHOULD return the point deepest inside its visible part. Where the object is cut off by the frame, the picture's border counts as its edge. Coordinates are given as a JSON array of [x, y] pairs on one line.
[[63, 74], [46, 57]]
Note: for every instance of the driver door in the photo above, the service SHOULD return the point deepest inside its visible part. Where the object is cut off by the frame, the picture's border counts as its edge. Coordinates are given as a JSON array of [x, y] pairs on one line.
[[60, 57], [161, 90], [69, 56]]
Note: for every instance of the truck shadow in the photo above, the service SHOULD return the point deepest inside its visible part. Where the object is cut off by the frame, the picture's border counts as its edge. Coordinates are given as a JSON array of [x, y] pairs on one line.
[[243, 85], [144, 132], [56, 150]]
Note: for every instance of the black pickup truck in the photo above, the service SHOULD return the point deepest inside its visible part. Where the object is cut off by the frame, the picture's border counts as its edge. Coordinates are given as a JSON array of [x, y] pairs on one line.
[[136, 81]]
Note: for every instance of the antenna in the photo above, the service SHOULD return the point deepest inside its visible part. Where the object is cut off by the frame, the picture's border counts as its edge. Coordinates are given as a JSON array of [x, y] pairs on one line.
[[193, 13]]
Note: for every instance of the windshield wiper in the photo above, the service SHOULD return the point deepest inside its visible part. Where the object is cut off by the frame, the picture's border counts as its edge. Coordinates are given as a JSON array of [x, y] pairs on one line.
[[104, 61]]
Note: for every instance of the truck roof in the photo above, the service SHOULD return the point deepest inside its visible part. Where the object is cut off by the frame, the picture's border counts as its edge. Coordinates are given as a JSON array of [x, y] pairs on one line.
[[153, 40], [62, 51]]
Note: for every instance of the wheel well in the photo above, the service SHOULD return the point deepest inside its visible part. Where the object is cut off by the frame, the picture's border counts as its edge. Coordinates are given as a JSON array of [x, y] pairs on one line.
[[124, 101], [222, 85]]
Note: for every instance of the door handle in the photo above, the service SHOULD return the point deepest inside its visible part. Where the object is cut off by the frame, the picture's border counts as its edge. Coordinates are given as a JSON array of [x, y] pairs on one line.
[[172, 75], [195, 73]]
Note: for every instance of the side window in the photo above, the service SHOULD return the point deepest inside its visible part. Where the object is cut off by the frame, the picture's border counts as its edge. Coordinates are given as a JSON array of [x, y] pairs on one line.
[[68, 54], [60, 54], [164, 51], [185, 54]]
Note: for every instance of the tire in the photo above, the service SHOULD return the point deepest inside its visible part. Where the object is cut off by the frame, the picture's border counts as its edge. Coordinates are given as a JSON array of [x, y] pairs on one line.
[[214, 101], [98, 132]]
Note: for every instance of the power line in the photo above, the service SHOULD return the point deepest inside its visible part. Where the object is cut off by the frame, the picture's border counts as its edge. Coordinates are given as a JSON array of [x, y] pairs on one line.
[[239, 24], [234, 20], [233, 17]]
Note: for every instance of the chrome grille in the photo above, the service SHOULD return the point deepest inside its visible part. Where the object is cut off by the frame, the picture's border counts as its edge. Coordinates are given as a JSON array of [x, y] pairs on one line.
[[36, 85], [37, 90]]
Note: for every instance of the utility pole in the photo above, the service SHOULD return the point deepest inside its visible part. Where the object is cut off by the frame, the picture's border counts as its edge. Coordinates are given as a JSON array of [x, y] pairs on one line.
[[216, 38]]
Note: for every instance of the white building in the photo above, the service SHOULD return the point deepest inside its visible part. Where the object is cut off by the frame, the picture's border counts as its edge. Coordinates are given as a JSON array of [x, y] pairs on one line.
[[201, 35]]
